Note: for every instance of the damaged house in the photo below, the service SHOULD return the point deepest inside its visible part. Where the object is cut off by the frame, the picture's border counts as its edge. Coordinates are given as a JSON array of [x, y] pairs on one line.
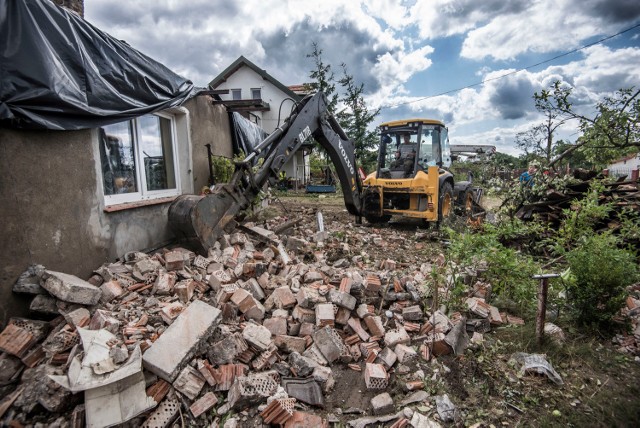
[[260, 98], [97, 140]]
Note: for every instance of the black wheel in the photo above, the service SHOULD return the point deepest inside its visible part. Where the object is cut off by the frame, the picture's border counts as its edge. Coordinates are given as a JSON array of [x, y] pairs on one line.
[[425, 224], [375, 219], [465, 203], [445, 203]]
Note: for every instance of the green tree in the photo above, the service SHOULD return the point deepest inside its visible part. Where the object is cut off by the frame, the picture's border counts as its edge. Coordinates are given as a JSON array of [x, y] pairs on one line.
[[356, 120], [538, 140], [322, 78], [612, 132], [575, 159]]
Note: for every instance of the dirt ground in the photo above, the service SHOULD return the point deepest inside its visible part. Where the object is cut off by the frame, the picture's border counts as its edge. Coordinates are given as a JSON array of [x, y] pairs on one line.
[[601, 386]]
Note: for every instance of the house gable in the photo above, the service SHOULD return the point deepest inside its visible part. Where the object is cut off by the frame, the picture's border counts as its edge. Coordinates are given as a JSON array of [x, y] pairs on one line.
[[255, 94], [230, 71]]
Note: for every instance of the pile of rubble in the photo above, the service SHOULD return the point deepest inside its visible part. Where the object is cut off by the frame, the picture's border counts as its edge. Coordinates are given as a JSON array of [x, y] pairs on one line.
[[629, 342], [550, 207], [261, 330]]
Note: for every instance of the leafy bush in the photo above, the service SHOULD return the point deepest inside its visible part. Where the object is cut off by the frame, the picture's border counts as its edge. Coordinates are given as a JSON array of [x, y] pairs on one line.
[[600, 272], [222, 168], [580, 220], [508, 271]]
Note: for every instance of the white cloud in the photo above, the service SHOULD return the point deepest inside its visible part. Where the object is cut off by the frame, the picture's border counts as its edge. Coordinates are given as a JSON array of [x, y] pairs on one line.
[[388, 44], [532, 30], [394, 69]]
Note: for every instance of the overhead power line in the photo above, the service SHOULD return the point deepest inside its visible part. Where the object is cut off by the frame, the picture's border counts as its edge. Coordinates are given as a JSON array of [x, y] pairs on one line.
[[513, 72]]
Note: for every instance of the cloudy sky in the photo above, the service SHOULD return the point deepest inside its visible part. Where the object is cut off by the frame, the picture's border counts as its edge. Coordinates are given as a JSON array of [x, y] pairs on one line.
[[405, 52]]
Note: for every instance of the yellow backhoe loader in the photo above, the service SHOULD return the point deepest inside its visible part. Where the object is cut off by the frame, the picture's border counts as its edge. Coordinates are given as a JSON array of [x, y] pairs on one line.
[[412, 179]]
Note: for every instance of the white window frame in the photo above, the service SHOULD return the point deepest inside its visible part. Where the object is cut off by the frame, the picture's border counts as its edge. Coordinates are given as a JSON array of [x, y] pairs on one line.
[[143, 194], [233, 91], [259, 93]]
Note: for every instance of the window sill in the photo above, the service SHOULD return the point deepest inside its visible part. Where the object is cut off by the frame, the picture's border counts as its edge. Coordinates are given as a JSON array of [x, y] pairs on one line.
[[138, 204]]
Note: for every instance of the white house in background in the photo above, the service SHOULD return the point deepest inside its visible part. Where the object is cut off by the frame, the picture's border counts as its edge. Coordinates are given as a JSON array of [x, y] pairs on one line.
[[625, 166], [262, 99]]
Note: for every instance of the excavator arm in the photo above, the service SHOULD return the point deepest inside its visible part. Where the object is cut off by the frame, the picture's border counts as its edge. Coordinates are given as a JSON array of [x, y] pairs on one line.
[[205, 218]]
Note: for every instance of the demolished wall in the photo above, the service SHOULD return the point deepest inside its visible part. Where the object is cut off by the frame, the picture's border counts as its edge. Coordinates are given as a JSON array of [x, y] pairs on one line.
[[264, 326]]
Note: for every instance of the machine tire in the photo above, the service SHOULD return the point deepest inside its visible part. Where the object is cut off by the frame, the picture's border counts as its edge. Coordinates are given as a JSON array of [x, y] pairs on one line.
[[377, 219], [465, 203], [445, 203]]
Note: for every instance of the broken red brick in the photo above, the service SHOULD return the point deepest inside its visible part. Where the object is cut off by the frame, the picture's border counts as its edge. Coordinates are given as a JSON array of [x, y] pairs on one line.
[[355, 325], [374, 324], [185, 289], [174, 260], [305, 420], [206, 402], [104, 319], [16, 341], [375, 376], [342, 316], [225, 375], [171, 311], [34, 357], [324, 315], [352, 340], [189, 382], [345, 285], [159, 390], [425, 352], [110, 290], [278, 411], [426, 328], [414, 385], [397, 286], [205, 370], [438, 344], [411, 326], [494, 316], [265, 359], [372, 285], [514, 320], [400, 423]]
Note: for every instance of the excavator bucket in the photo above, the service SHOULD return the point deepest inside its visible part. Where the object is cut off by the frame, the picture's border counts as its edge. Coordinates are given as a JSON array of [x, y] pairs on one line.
[[203, 219]]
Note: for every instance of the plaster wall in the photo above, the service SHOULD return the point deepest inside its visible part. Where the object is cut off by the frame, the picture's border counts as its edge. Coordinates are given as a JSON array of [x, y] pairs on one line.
[[625, 166], [52, 205]]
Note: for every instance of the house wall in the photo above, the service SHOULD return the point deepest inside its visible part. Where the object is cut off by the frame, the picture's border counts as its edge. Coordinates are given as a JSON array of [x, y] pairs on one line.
[[246, 79], [52, 204], [625, 167]]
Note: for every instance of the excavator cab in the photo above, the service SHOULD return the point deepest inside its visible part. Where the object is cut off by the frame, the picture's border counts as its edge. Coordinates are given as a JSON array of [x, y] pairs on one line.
[[407, 148], [411, 179]]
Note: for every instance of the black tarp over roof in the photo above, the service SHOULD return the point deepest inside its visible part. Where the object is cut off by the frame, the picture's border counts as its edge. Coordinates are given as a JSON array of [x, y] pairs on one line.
[[57, 71]]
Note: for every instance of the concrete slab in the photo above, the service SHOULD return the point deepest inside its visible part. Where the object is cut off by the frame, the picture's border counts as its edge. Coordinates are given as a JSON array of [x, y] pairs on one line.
[[117, 403], [172, 351], [70, 288]]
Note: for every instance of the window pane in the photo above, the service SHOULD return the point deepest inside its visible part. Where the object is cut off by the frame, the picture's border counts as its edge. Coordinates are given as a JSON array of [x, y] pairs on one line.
[[256, 94], [117, 158], [236, 94], [156, 147]]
